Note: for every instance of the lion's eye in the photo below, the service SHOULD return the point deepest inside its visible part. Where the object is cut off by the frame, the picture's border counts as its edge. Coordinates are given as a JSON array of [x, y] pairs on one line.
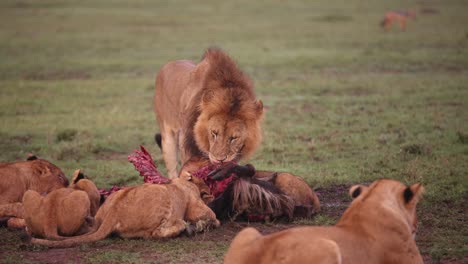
[[232, 139]]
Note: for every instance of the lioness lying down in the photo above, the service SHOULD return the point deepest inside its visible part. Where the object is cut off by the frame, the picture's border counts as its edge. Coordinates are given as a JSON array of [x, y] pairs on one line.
[[63, 212], [18, 177], [34, 174], [147, 211], [378, 227]]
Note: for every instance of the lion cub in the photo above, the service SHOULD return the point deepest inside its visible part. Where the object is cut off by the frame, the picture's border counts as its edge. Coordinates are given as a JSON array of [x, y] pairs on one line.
[[63, 212], [147, 211], [378, 227]]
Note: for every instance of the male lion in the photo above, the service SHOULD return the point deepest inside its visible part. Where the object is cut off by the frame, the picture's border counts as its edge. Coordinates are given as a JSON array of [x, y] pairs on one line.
[[63, 212], [148, 211], [206, 111], [378, 227], [18, 177]]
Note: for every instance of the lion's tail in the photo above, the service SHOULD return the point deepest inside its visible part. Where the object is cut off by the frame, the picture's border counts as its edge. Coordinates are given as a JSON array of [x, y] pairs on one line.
[[11, 210], [158, 139], [106, 227]]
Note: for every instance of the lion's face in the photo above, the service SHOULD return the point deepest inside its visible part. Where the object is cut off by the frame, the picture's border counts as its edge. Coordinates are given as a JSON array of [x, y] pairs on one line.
[[223, 135], [226, 138], [223, 139]]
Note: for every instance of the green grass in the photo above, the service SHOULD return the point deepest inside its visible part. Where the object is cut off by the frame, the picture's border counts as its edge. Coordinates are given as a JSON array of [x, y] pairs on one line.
[[345, 102]]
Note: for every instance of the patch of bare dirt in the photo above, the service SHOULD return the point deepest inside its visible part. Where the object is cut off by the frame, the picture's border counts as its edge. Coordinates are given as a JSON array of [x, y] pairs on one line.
[[334, 200], [55, 255]]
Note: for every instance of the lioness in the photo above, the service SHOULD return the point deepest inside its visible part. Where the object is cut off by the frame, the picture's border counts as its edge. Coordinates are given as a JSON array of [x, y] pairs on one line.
[[79, 182], [35, 174], [378, 227], [148, 211], [206, 110], [18, 177], [63, 212]]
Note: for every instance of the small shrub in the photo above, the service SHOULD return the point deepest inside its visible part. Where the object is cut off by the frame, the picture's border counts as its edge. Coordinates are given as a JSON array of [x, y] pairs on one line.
[[463, 137], [66, 135]]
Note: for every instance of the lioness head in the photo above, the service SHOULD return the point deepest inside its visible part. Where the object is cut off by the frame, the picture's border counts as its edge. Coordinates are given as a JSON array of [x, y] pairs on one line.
[[203, 189], [392, 194], [45, 176]]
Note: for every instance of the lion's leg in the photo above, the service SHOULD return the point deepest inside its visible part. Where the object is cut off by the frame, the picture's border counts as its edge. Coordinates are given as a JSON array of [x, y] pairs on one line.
[[403, 24], [17, 223], [169, 149], [12, 209], [169, 229]]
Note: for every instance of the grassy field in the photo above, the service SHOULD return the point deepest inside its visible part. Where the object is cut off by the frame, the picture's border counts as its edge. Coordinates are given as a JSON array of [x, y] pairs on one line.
[[345, 102]]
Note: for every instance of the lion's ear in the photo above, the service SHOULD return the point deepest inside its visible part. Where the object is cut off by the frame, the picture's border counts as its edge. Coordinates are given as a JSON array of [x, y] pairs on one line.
[[186, 176], [31, 157], [207, 97], [77, 175], [413, 192], [259, 107], [356, 190]]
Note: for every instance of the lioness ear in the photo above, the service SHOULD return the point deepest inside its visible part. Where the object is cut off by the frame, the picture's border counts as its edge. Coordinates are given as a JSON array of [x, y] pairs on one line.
[[259, 107], [413, 192], [31, 157], [77, 175], [187, 176], [356, 190]]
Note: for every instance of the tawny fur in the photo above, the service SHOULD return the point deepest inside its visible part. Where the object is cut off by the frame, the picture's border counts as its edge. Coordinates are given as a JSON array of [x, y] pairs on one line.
[[399, 17], [147, 211], [204, 190], [206, 110], [294, 187], [38, 175], [249, 198], [18, 177], [378, 227], [295, 193], [63, 212], [90, 188]]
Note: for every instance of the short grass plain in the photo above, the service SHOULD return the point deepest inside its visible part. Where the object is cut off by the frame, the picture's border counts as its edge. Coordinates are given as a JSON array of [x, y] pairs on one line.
[[345, 101]]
